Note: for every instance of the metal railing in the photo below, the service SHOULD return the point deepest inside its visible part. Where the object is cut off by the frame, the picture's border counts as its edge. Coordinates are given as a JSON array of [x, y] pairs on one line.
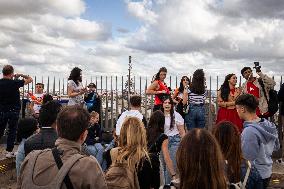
[[114, 94]]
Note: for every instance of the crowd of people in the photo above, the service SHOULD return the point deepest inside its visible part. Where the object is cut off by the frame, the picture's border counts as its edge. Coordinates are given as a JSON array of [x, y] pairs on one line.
[[62, 147]]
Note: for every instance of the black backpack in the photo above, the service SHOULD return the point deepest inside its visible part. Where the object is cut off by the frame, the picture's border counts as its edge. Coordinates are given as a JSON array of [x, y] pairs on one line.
[[273, 99]]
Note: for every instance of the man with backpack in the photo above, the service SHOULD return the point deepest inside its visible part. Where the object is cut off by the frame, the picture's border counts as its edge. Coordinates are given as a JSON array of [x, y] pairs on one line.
[[259, 137], [64, 166], [260, 88]]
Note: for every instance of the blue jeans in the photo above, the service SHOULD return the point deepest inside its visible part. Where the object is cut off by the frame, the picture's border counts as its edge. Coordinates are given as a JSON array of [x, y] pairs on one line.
[[11, 118], [173, 146], [20, 156], [195, 118], [97, 151]]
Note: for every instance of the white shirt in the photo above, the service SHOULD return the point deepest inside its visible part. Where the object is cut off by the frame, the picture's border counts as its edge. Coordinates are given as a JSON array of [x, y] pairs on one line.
[[130, 113], [36, 106], [178, 121]]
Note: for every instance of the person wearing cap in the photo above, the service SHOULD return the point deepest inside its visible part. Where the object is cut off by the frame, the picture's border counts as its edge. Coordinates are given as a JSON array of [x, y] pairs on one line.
[[92, 98]]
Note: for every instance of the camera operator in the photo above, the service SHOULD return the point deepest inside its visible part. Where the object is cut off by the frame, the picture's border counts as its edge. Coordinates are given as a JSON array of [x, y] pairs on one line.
[[253, 86], [10, 104]]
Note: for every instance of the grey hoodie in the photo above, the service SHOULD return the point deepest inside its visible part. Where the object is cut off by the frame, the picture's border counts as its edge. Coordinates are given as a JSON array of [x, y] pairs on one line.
[[259, 140]]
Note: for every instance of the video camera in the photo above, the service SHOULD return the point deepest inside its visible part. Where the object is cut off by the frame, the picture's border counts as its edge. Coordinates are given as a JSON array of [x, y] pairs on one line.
[[257, 67]]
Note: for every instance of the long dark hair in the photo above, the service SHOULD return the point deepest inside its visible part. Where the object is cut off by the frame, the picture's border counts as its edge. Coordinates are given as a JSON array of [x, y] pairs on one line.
[[228, 136], [157, 75], [200, 162], [225, 88], [75, 75], [155, 127], [181, 88], [197, 84], [172, 111]]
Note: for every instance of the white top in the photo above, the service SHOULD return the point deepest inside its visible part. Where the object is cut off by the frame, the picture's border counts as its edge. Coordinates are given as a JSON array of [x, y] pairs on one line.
[[178, 121], [76, 88], [36, 106], [130, 113]]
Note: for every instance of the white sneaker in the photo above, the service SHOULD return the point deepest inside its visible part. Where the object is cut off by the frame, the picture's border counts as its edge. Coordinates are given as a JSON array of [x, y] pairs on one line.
[[10, 154]]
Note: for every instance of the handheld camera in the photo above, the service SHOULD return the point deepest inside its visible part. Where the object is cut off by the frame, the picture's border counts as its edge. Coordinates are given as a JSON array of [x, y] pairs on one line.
[[257, 67]]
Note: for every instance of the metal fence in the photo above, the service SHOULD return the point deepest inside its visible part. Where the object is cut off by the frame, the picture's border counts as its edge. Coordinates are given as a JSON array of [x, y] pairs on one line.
[[114, 92]]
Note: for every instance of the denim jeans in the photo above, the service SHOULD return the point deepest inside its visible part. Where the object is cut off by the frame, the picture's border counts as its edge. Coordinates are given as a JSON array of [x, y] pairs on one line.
[[195, 118], [20, 156], [11, 118], [173, 146], [97, 151]]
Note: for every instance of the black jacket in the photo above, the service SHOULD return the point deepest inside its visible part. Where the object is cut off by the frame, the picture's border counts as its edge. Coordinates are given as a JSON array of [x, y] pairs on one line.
[[44, 139], [281, 99]]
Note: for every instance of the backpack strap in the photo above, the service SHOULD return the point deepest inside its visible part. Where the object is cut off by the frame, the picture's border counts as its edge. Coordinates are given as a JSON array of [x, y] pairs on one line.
[[263, 88], [67, 181], [246, 176], [65, 169]]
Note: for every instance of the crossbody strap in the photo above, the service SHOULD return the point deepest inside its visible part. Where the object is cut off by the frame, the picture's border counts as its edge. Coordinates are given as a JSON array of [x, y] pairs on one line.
[[247, 175], [263, 88], [59, 164]]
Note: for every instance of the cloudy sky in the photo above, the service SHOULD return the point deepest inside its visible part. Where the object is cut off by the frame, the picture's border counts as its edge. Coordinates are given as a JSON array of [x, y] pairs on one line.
[[50, 37]]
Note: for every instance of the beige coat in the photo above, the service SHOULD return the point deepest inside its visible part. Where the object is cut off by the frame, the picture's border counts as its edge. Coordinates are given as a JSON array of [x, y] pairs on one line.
[[269, 83], [85, 174]]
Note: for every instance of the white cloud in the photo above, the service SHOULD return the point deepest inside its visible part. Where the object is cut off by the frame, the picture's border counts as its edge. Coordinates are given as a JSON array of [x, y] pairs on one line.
[[142, 10], [188, 27], [31, 7]]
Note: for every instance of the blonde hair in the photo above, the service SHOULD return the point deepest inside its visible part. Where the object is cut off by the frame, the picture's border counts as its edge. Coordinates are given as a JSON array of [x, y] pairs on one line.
[[94, 114], [132, 142]]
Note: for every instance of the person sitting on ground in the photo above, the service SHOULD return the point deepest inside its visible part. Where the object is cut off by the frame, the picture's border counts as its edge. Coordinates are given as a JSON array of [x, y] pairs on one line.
[[26, 128], [40, 168], [135, 107], [92, 98], [132, 150], [228, 136], [94, 139], [259, 137], [200, 161], [47, 123]]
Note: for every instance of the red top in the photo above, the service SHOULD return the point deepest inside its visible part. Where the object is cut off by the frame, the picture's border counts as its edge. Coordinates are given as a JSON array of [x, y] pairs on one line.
[[254, 90], [162, 86]]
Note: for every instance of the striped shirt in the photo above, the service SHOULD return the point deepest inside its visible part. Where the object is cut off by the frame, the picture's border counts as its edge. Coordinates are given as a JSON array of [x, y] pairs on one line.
[[196, 98]]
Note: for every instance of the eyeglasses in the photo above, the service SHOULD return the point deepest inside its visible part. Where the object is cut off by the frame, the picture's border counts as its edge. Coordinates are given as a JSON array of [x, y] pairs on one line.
[[39, 86]]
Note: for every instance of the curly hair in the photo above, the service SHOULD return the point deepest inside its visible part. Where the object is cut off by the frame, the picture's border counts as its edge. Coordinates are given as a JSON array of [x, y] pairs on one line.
[[197, 85], [75, 75], [157, 75], [225, 88], [181, 88]]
